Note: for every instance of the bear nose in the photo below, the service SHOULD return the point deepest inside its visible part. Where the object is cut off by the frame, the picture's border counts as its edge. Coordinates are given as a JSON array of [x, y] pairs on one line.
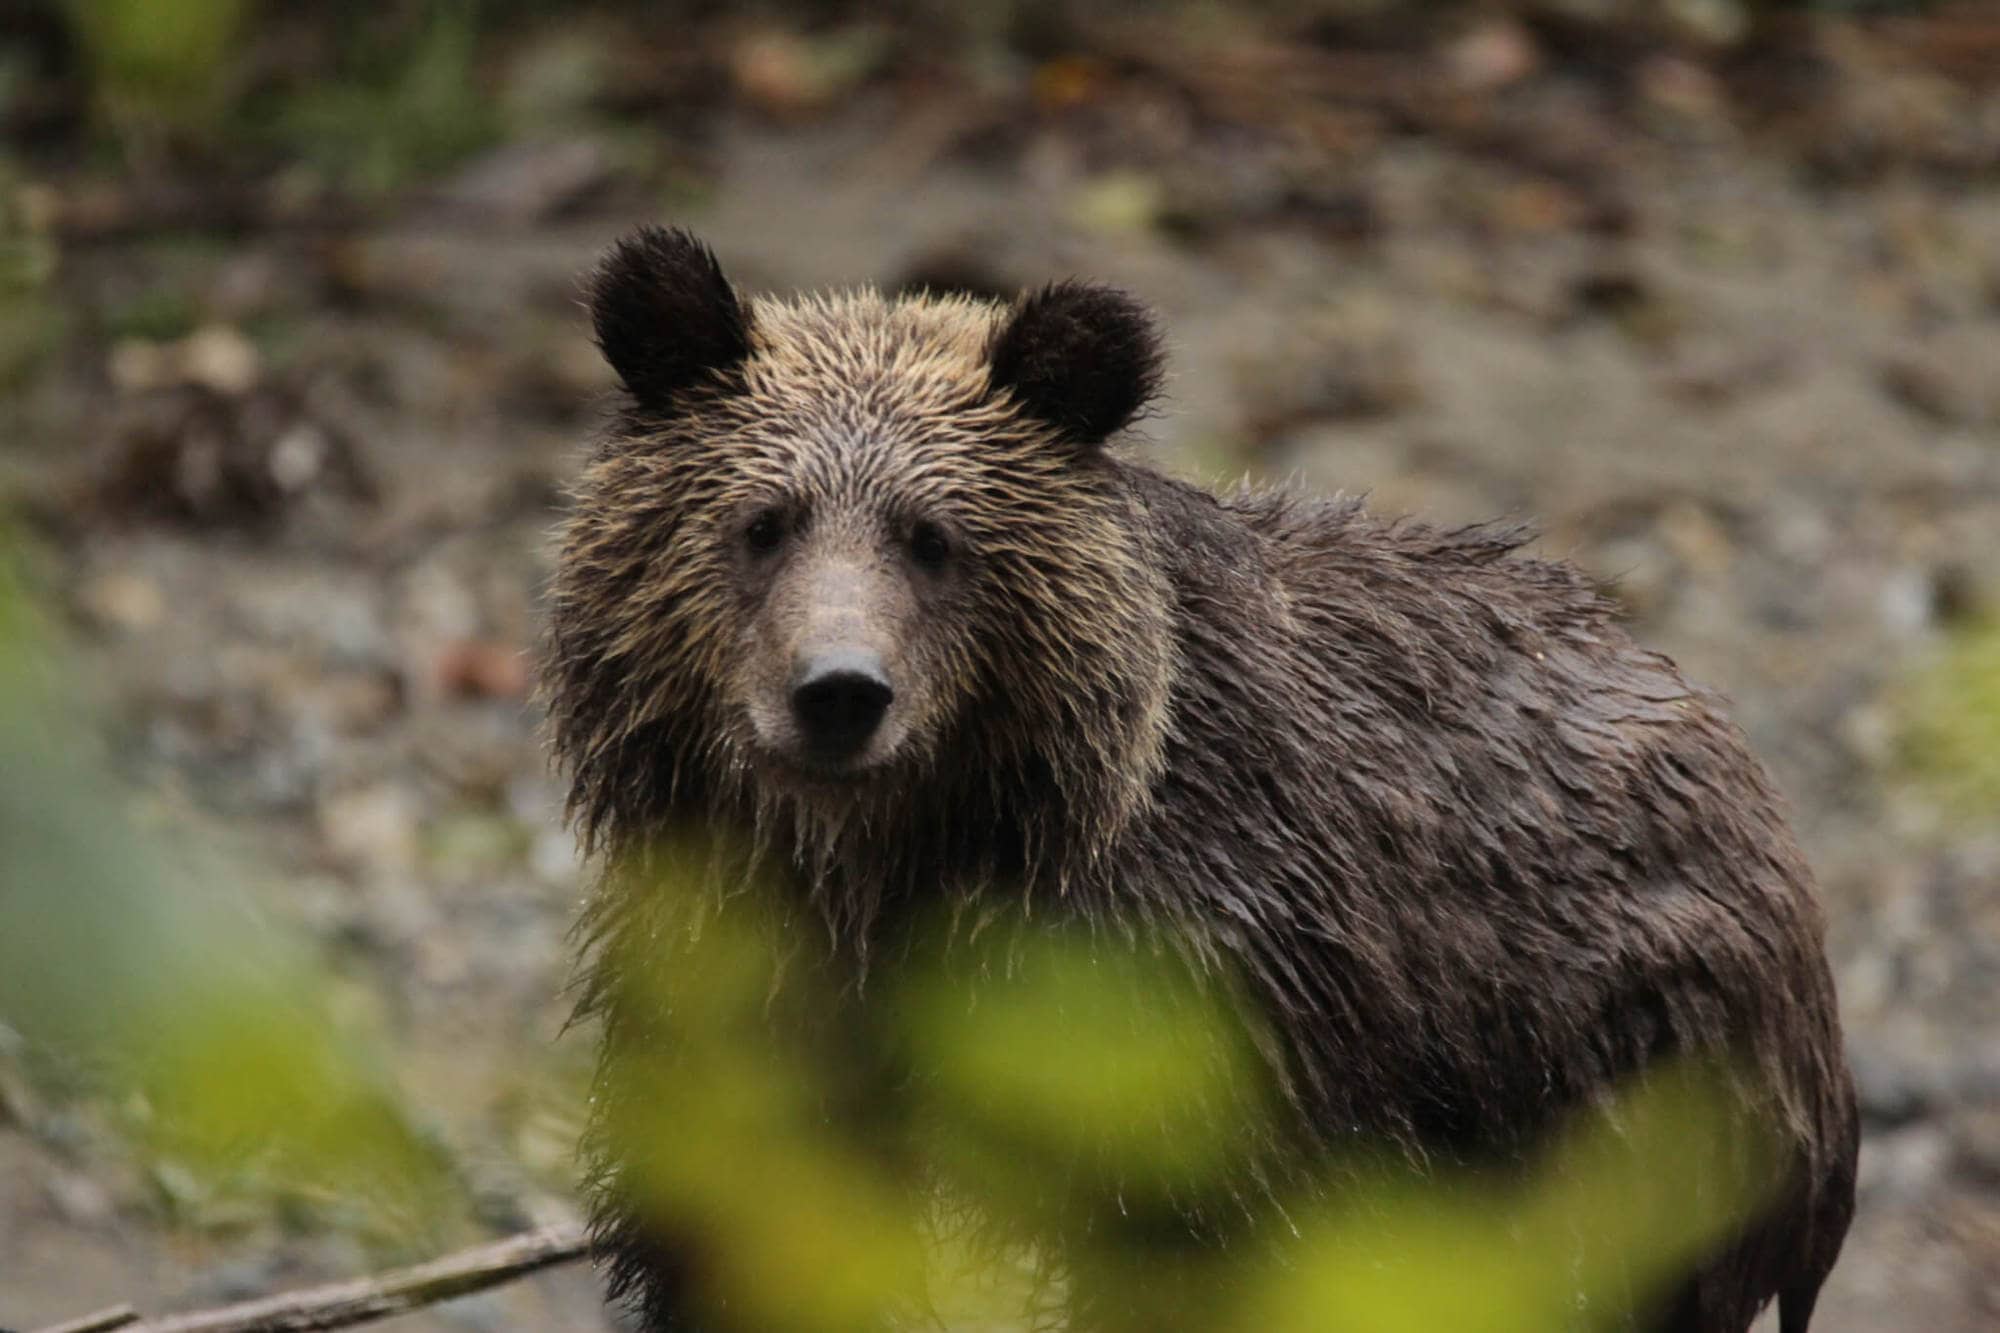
[[839, 700]]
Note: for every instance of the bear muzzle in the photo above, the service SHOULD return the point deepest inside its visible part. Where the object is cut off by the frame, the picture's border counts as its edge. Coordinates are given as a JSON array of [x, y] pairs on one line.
[[839, 699]]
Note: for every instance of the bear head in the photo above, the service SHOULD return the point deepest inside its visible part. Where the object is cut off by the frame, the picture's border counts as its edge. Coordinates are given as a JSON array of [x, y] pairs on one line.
[[848, 563]]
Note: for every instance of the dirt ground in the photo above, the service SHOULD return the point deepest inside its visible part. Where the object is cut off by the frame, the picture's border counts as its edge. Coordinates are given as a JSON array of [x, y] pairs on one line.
[[1742, 364]]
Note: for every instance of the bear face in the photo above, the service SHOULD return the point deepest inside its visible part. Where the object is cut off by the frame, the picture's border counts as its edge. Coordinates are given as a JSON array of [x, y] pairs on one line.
[[852, 554]]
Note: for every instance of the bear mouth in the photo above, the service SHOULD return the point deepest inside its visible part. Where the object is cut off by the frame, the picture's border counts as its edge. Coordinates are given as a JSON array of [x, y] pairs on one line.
[[782, 757], [818, 772], [803, 770]]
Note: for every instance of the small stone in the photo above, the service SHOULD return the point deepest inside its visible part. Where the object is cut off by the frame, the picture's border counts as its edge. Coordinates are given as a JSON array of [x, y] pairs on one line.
[[1719, 22], [1891, 1091], [481, 669], [38, 206], [219, 357], [1682, 88], [1537, 207], [1711, 376], [1870, 733], [124, 600], [1118, 203], [247, 285], [1903, 1163], [552, 858], [356, 703], [1975, 1135], [1610, 289], [1696, 538], [373, 828], [1947, 383], [136, 365], [1801, 533], [1491, 56], [1907, 601], [298, 456], [788, 75], [79, 1200], [1069, 81]]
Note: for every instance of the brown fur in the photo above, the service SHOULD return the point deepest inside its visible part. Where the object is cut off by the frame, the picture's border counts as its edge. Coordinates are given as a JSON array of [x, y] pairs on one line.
[[1473, 855]]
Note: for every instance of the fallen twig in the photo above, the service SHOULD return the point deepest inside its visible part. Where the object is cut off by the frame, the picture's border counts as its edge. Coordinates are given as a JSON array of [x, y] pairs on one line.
[[344, 1304], [117, 1316]]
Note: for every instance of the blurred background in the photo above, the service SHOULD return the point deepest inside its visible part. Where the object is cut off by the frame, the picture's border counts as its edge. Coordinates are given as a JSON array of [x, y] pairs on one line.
[[293, 370]]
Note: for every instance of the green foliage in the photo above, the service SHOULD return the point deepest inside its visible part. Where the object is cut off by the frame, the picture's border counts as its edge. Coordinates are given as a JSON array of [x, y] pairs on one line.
[[726, 1139], [1153, 1079], [32, 327], [1058, 1075], [32, 324], [159, 65], [158, 314], [413, 112], [403, 101], [213, 1031], [1951, 721], [1626, 1204]]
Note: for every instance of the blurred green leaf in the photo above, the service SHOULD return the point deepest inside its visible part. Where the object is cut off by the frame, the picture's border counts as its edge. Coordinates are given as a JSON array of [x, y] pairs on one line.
[[158, 314], [723, 1135], [1058, 1072], [380, 131], [170, 992], [1951, 716], [1640, 1190], [1153, 1078], [159, 64]]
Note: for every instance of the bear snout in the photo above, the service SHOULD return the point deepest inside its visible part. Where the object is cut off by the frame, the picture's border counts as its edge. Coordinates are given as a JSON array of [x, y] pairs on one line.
[[838, 700]]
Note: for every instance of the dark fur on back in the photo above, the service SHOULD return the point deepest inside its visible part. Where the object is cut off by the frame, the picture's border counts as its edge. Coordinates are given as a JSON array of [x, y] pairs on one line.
[[1474, 855]]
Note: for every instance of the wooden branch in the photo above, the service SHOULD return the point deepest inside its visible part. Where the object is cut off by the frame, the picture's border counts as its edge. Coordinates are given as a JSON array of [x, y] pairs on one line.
[[344, 1304], [118, 1316]]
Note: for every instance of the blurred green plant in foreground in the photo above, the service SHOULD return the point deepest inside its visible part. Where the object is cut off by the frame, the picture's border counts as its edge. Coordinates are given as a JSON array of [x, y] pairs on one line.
[[168, 996], [1054, 1086], [1620, 1209], [1043, 1067], [1951, 721], [397, 97], [159, 66], [406, 111]]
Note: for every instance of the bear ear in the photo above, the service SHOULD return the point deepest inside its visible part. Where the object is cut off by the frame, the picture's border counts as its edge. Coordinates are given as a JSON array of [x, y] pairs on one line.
[[1081, 357], [664, 313]]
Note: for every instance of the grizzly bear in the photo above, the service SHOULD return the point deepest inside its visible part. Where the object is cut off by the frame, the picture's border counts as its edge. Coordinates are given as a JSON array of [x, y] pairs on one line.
[[867, 585]]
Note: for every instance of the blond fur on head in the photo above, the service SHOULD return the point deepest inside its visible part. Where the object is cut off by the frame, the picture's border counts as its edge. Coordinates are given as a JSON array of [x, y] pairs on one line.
[[1045, 667]]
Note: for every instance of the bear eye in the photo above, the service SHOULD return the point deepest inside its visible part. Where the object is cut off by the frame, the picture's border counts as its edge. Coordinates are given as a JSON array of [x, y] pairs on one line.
[[929, 547], [765, 532]]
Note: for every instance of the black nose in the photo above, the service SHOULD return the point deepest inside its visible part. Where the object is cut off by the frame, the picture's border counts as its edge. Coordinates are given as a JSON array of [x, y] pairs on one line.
[[839, 700]]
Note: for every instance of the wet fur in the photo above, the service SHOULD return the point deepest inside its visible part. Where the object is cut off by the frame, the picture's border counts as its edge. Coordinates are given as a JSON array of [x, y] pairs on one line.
[[1473, 854]]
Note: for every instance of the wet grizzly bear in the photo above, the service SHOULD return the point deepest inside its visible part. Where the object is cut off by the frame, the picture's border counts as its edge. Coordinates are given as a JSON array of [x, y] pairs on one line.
[[863, 581]]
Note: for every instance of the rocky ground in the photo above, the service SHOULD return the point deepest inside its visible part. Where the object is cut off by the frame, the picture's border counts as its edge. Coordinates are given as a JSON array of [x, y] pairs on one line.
[[1727, 329]]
